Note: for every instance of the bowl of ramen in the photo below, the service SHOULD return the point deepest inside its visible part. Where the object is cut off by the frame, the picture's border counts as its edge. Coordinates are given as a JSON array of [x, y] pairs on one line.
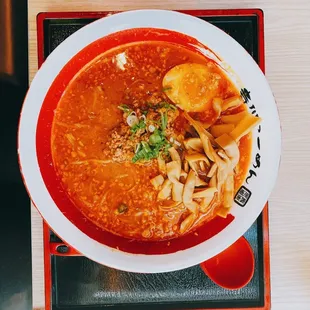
[[149, 141]]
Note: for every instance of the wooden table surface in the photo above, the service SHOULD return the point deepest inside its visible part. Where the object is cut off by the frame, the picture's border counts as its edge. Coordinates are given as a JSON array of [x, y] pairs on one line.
[[287, 38]]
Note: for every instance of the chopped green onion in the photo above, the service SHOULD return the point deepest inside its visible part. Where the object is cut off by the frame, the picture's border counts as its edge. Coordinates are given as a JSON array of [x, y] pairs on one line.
[[169, 106], [151, 128], [157, 142], [140, 125], [166, 148], [155, 138], [148, 151], [146, 147], [125, 108], [132, 120], [138, 148], [144, 153], [164, 120]]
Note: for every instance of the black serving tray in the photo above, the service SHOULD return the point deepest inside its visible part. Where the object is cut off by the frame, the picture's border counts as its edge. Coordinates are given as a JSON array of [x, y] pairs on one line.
[[79, 283]]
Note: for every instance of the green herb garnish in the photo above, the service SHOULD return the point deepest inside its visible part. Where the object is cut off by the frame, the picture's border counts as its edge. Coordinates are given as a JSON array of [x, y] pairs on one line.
[[166, 148], [145, 152], [136, 127], [152, 149], [164, 120], [155, 138], [167, 106], [125, 108], [157, 143]]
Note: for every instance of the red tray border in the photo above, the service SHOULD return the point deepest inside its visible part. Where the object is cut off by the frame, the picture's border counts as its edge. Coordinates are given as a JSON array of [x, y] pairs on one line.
[[49, 249]]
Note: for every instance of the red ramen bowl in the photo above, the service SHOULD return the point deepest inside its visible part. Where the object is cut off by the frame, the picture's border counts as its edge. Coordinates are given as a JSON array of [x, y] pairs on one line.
[[46, 190]]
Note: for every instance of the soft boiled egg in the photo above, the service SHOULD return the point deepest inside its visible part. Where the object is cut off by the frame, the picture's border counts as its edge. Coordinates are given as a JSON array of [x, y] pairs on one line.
[[192, 86]]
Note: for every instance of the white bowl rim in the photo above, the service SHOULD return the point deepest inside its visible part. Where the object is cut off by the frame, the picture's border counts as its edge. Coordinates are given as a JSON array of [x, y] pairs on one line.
[[207, 34]]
